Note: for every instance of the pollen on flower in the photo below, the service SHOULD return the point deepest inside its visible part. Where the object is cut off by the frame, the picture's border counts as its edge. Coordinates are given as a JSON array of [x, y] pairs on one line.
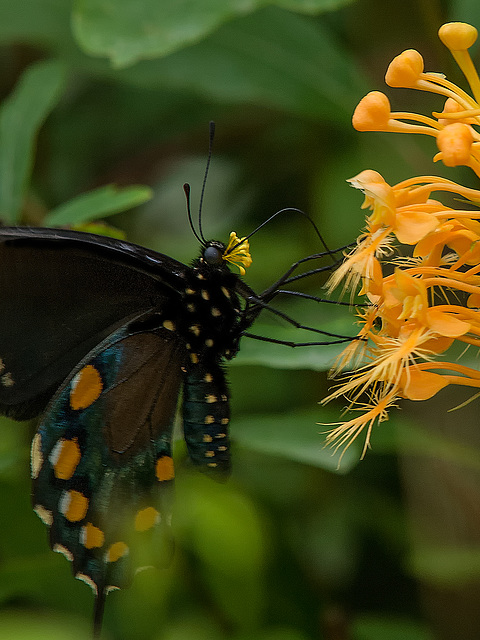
[[237, 252]]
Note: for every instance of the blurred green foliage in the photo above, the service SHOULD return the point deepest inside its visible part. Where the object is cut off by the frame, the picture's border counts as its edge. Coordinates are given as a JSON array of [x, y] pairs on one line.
[[100, 97]]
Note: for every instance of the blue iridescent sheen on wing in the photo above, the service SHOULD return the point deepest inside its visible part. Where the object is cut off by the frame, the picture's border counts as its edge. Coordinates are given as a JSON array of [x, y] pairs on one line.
[[101, 458]]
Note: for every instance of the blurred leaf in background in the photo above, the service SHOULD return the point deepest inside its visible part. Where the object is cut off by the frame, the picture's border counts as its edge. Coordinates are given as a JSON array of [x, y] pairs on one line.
[[107, 104], [21, 116]]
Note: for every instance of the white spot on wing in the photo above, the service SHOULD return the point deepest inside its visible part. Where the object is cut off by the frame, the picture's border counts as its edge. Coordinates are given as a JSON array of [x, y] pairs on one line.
[[36, 455], [59, 548], [7, 380], [84, 578], [45, 515], [64, 502]]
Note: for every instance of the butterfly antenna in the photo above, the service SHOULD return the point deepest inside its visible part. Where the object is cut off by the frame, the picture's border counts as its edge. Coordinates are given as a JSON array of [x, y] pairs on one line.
[[186, 188], [211, 135], [98, 612], [277, 213]]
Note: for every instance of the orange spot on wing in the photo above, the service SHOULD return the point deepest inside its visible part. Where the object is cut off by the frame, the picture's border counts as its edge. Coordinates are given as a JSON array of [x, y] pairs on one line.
[[92, 537], [65, 457], [73, 505], [86, 388], [146, 519], [164, 468], [116, 551]]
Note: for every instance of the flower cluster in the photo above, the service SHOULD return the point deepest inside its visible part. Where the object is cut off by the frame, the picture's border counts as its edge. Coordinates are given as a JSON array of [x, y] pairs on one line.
[[416, 305]]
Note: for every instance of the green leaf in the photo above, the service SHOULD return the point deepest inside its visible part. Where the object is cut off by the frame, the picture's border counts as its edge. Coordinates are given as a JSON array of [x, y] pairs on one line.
[[446, 565], [284, 61], [127, 32], [272, 58], [101, 229], [192, 626], [383, 627], [311, 6], [12, 452], [223, 529], [39, 22], [30, 626], [295, 436], [21, 116], [99, 203], [280, 633]]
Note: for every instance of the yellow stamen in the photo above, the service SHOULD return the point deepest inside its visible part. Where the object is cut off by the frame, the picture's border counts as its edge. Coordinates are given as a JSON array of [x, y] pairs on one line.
[[457, 36], [237, 252]]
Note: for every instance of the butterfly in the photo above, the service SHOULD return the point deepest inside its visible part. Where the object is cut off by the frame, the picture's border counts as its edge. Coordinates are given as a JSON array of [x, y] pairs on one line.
[[99, 336]]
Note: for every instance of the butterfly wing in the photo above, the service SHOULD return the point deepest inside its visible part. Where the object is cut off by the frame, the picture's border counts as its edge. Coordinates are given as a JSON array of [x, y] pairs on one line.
[[61, 294], [101, 458]]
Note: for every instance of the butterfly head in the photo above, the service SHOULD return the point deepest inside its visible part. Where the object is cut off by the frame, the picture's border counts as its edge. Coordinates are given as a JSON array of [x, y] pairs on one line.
[[237, 252], [212, 253]]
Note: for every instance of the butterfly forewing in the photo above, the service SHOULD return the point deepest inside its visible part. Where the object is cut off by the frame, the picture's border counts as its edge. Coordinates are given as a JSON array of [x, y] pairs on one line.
[[60, 296], [101, 459]]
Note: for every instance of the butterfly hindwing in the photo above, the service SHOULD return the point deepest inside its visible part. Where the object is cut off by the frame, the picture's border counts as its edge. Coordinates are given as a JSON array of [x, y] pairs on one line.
[[101, 458]]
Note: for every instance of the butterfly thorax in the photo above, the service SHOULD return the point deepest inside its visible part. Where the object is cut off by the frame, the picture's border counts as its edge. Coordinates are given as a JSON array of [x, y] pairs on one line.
[[208, 314]]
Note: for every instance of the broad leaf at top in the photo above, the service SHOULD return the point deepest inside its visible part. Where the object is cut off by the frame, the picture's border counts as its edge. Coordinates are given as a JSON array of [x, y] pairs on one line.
[[127, 31]]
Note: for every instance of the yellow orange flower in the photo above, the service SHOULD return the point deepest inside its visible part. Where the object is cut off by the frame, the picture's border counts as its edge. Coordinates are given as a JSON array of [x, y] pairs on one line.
[[415, 305], [457, 140]]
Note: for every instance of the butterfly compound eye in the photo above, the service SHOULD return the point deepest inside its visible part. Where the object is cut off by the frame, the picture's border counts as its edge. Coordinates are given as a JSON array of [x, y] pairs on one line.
[[212, 256]]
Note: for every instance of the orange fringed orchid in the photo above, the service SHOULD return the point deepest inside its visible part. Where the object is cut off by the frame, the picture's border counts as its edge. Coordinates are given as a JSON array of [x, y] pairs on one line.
[[417, 308]]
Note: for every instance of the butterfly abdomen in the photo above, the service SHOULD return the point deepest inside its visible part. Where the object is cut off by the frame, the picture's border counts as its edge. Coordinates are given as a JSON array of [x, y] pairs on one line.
[[206, 415], [210, 329]]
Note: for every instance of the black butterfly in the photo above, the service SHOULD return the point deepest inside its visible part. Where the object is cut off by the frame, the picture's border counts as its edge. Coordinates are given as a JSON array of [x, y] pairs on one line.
[[99, 335]]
